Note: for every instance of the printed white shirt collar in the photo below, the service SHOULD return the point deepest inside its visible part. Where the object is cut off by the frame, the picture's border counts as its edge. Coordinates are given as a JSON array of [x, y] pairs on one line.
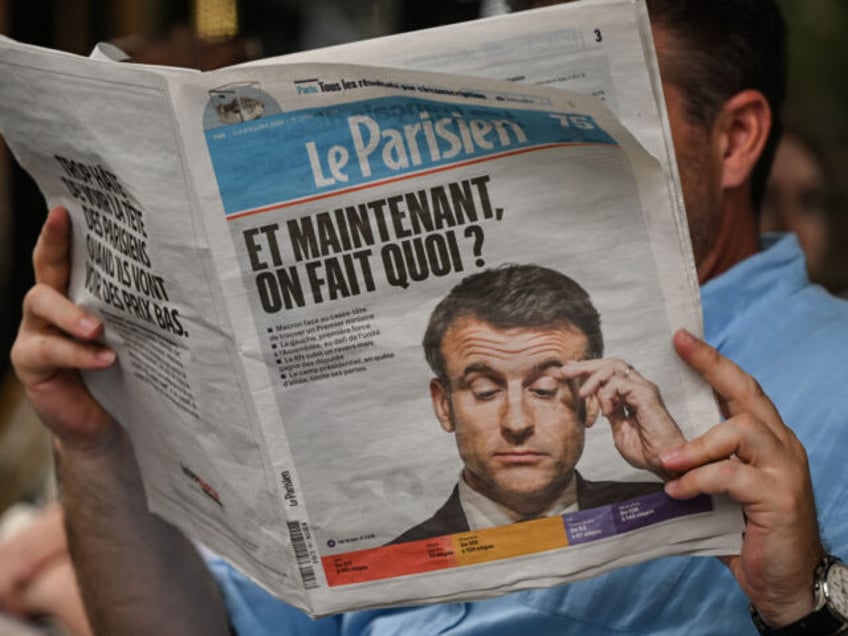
[[481, 512]]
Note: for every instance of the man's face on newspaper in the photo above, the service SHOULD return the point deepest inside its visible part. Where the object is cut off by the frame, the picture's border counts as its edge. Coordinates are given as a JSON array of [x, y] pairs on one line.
[[517, 425]]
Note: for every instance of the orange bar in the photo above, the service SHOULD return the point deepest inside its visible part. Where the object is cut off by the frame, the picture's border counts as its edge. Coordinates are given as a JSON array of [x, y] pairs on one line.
[[504, 542]]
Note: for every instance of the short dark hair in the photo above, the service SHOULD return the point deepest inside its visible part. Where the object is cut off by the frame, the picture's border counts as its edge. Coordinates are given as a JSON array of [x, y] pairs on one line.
[[514, 296], [721, 48]]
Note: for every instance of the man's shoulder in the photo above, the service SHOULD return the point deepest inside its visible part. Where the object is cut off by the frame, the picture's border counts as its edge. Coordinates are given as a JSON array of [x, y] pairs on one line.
[[449, 519], [804, 333], [767, 317]]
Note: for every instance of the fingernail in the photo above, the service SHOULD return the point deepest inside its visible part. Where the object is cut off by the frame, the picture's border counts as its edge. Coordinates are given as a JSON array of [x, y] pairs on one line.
[[87, 324], [670, 454], [688, 335], [670, 487], [106, 356]]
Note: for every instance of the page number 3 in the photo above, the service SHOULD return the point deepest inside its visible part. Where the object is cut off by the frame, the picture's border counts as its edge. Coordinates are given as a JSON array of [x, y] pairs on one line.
[[599, 37]]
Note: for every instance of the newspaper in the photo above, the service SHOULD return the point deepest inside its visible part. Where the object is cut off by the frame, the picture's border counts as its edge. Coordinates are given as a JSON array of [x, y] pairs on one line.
[[266, 245]]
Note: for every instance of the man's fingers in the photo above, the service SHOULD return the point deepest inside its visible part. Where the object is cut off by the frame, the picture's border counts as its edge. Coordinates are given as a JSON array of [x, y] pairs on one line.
[[45, 305], [774, 487], [599, 372], [740, 391], [38, 357], [595, 373], [722, 460], [51, 257], [741, 436], [637, 394], [722, 374], [737, 479], [618, 393]]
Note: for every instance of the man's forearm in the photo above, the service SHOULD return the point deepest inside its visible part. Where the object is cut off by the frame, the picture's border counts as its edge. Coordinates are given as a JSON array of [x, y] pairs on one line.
[[138, 574]]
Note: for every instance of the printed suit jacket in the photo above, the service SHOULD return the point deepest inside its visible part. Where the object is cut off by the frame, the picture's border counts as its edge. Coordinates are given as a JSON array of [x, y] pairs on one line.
[[450, 518]]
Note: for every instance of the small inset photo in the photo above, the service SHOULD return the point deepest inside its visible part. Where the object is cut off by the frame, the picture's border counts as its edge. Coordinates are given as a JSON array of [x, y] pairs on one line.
[[236, 103]]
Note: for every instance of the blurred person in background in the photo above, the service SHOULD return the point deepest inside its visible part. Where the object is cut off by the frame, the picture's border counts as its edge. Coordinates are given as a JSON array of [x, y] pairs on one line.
[[38, 586], [799, 198]]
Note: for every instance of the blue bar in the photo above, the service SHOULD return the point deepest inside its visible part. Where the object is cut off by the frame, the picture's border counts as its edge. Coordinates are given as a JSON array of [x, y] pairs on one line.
[[290, 156]]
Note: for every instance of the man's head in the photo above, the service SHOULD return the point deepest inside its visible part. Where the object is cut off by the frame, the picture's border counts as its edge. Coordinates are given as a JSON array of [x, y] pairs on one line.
[[718, 49], [495, 343], [723, 65]]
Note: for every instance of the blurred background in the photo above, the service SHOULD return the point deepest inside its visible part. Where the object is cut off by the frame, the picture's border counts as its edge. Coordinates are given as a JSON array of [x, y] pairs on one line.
[[808, 196], [807, 193]]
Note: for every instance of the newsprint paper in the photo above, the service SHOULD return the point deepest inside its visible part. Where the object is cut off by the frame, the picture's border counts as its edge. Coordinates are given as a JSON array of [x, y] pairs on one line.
[[266, 245]]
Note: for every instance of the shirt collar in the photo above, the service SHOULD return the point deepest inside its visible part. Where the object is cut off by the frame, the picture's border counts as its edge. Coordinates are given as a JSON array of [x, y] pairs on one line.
[[482, 512]]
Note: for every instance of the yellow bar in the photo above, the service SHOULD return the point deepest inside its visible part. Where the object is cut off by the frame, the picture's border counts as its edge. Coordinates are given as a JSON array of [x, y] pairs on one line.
[[504, 542]]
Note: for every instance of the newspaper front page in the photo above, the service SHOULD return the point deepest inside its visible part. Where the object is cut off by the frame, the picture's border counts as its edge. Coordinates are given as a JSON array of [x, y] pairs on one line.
[[602, 48], [267, 245]]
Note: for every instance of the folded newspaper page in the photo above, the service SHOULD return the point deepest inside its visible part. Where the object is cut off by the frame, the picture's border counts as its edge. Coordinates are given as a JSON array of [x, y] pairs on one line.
[[384, 336]]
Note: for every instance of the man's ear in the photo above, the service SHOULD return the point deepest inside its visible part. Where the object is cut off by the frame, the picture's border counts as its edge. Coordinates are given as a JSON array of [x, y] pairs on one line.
[[742, 128], [440, 397], [593, 408]]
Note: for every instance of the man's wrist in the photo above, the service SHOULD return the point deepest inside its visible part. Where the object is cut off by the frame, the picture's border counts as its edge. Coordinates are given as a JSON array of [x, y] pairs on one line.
[[826, 616], [786, 614], [819, 622], [111, 439]]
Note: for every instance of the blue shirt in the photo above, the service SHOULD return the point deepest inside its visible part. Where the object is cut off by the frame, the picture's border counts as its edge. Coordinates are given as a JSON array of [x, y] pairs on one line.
[[793, 337]]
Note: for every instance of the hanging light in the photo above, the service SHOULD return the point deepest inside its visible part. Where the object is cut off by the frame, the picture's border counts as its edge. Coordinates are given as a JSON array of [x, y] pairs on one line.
[[216, 19]]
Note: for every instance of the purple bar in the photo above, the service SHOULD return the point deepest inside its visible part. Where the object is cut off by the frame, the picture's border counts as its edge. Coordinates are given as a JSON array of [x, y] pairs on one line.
[[654, 508], [607, 521], [589, 525]]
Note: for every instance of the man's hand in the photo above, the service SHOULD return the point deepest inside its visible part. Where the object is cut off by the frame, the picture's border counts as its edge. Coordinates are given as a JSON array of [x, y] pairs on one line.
[[36, 575], [55, 340], [641, 425], [26, 553], [110, 530], [54, 594], [755, 459]]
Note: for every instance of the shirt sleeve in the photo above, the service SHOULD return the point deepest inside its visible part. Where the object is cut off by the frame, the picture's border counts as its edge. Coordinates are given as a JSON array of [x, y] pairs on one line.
[[254, 612]]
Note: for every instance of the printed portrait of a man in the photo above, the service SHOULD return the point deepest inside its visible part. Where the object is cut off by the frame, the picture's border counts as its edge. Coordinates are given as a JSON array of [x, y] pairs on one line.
[[519, 375]]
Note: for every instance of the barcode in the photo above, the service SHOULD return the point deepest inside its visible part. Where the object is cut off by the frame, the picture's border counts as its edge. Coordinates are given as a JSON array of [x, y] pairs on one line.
[[301, 555]]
